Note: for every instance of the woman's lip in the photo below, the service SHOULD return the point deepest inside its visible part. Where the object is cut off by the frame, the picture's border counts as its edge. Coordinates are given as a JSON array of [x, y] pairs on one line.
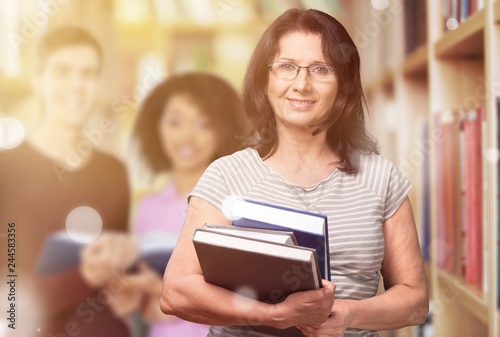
[[186, 151], [300, 103]]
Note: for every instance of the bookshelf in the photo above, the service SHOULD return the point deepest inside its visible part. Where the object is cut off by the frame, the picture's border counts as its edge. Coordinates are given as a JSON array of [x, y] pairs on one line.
[[453, 288], [416, 62], [467, 40], [456, 69]]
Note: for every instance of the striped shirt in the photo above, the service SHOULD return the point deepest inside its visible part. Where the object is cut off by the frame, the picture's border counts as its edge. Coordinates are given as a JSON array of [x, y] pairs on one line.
[[357, 205]]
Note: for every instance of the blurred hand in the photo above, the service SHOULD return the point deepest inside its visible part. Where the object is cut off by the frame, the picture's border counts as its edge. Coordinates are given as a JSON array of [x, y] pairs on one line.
[[310, 307], [108, 255], [125, 302], [146, 280], [334, 326], [138, 289]]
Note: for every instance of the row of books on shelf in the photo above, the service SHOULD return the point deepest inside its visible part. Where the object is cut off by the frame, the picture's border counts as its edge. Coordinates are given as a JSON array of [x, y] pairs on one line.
[[460, 188], [457, 11], [415, 24]]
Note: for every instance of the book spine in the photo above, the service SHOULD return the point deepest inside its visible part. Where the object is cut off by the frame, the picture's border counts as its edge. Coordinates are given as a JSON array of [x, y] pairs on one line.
[[408, 27], [484, 189], [473, 7], [440, 194], [474, 269], [455, 10], [446, 13], [463, 179], [464, 10], [449, 196], [457, 193]]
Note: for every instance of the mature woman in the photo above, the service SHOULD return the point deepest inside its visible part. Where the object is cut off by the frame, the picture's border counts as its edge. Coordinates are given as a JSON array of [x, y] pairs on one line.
[[302, 92]]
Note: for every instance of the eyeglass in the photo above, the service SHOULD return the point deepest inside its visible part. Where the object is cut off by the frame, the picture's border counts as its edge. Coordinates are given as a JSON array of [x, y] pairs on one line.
[[289, 70]]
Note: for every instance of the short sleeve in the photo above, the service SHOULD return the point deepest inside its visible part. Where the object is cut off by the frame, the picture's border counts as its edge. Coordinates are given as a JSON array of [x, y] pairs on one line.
[[398, 187], [212, 186]]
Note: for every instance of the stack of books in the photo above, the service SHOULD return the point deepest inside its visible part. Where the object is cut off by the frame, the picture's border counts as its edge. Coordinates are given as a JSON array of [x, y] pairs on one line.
[[269, 253]]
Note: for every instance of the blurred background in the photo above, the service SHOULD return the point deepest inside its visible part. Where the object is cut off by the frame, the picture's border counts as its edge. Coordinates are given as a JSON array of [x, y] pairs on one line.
[[430, 73]]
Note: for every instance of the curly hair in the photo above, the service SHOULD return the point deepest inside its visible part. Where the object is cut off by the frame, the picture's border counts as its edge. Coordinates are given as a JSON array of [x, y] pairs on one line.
[[213, 96]]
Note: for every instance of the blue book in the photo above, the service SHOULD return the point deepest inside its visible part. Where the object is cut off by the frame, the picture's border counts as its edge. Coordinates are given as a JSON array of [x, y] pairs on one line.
[[465, 10], [61, 252], [310, 229]]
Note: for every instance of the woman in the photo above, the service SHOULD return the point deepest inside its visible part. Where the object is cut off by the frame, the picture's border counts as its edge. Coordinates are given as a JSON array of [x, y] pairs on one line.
[[302, 92], [184, 124]]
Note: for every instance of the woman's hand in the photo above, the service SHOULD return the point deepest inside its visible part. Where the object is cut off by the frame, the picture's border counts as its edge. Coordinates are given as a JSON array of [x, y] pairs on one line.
[[107, 256], [310, 307], [334, 326], [137, 289], [125, 301], [146, 280]]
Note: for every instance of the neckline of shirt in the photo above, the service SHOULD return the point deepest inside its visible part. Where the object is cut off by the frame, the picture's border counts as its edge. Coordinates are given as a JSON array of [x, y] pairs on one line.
[[57, 164], [308, 188]]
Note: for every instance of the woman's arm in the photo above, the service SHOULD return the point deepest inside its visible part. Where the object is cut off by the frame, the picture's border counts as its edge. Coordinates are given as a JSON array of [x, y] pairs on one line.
[[405, 301], [188, 296]]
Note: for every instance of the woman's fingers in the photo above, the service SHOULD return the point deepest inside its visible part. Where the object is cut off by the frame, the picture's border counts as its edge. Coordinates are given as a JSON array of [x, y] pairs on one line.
[[111, 252]]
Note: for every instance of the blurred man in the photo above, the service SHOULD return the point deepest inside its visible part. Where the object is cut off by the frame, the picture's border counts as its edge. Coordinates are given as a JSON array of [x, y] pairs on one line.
[[54, 181]]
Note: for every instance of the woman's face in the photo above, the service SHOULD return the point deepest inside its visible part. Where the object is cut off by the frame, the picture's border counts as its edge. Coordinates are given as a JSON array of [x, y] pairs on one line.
[[301, 102], [188, 137]]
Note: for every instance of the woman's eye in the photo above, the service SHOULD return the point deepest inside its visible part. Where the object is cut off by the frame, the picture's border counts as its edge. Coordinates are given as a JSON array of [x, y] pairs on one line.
[[173, 122], [287, 67], [321, 70]]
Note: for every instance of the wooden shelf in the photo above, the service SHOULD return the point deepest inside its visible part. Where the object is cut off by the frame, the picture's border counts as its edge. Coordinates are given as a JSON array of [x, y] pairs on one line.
[[416, 62], [465, 41], [470, 299], [385, 79]]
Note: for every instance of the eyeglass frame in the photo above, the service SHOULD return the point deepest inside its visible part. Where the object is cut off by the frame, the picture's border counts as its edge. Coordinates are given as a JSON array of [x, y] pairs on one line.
[[270, 66]]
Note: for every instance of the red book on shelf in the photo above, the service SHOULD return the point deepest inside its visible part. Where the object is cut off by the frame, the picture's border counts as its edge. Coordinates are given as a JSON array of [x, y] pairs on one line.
[[456, 133], [474, 198], [463, 209], [448, 168], [472, 7]]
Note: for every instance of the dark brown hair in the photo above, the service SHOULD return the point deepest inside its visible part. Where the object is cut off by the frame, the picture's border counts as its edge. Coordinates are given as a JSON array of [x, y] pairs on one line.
[[345, 126], [213, 96], [64, 36]]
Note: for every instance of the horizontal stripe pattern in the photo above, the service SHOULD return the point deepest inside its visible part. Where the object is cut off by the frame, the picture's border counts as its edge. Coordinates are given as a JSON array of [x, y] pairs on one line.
[[356, 207]]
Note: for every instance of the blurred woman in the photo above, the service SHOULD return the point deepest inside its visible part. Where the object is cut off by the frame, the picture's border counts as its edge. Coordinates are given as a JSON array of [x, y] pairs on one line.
[[185, 123]]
